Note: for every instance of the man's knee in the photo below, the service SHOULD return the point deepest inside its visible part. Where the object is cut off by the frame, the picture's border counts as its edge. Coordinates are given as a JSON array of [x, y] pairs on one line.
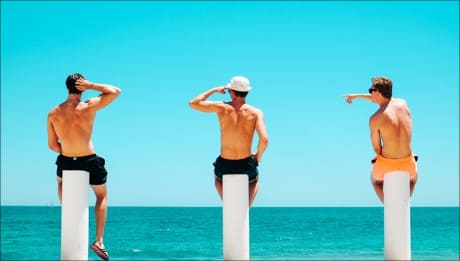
[[101, 200], [100, 191]]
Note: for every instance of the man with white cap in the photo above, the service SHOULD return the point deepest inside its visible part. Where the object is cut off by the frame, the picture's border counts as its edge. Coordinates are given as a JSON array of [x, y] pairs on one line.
[[238, 123]]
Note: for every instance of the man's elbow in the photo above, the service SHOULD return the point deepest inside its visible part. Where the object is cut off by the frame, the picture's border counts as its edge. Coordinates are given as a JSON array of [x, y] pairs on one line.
[[53, 147], [264, 140], [116, 91], [193, 104]]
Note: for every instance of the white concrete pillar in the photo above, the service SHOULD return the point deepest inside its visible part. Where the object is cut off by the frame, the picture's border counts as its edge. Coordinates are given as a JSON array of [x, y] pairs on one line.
[[235, 217], [396, 190], [74, 215]]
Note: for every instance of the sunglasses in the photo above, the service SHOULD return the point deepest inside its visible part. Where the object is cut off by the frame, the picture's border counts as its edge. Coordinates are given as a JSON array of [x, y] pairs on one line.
[[372, 90]]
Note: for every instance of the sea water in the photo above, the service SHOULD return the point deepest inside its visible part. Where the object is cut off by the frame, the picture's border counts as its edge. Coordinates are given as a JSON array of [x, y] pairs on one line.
[[195, 233]]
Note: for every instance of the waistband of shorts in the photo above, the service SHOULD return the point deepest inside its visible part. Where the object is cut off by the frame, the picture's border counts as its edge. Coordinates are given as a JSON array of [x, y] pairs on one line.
[[77, 158], [400, 160], [236, 160]]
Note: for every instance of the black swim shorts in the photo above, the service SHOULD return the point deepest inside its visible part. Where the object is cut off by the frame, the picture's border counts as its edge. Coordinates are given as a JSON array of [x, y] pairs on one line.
[[91, 163], [243, 166]]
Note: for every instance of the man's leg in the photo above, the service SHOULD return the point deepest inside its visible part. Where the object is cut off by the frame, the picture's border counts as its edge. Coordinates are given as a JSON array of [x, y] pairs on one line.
[[413, 181], [253, 188], [59, 183], [378, 187], [218, 184], [100, 211]]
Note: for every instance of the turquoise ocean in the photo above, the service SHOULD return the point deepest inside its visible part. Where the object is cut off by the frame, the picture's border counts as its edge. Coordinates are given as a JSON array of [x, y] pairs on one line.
[[195, 233]]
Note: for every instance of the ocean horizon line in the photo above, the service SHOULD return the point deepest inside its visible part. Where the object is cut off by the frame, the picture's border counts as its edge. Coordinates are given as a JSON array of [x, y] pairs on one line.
[[206, 206]]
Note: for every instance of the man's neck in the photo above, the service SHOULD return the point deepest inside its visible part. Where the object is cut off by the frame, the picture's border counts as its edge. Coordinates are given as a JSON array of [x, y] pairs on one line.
[[74, 98], [384, 103], [238, 102]]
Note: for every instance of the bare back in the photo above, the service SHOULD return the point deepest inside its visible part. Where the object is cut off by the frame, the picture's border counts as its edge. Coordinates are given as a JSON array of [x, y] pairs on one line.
[[73, 124], [237, 126], [394, 126]]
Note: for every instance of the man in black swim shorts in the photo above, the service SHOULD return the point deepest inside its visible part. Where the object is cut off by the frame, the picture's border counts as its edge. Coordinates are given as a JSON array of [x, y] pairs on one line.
[[243, 166], [70, 126], [238, 123], [92, 163]]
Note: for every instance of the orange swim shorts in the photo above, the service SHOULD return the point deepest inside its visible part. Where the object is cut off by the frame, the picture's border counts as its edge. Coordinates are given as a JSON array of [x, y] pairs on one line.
[[383, 165]]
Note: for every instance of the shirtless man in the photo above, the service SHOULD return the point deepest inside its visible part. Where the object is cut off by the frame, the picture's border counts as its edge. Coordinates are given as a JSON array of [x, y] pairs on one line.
[[70, 126], [391, 132], [238, 122]]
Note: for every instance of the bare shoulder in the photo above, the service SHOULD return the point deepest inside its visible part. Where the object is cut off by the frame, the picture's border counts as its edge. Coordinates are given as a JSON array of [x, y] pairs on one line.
[[220, 107], [92, 100], [399, 102], [53, 112], [222, 104], [253, 109], [376, 117], [89, 105]]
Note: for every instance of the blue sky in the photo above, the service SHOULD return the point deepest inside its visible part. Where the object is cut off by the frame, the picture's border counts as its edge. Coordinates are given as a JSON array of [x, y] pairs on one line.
[[300, 58]]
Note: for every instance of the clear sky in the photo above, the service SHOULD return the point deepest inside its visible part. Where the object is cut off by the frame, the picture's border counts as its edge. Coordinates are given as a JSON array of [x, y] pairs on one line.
[[300, 58]]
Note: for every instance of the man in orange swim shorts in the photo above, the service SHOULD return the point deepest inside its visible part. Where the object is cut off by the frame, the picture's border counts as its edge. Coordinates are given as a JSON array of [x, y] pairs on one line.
[[391, 133]]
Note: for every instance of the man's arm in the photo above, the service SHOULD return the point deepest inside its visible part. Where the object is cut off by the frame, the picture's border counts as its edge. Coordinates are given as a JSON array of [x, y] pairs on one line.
[[351, 97], [375, 135], [108, 95], [263, 136], [53, 140], [200, 102]]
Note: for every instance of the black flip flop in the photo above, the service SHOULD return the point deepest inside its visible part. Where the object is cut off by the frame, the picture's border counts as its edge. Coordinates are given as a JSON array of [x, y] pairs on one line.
[[101, 252]]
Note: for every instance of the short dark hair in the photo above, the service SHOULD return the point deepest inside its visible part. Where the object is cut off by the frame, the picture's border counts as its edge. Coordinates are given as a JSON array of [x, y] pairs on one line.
[[70, 82], [240, 94], [384, 85]]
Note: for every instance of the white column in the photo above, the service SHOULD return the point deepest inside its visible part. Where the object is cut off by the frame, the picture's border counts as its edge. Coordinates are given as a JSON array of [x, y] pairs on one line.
[[74, 215], [396, 189], [236, 217]]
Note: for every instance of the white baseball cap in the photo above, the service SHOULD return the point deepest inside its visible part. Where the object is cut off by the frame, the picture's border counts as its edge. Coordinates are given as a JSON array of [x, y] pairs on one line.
[[239, 84]]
